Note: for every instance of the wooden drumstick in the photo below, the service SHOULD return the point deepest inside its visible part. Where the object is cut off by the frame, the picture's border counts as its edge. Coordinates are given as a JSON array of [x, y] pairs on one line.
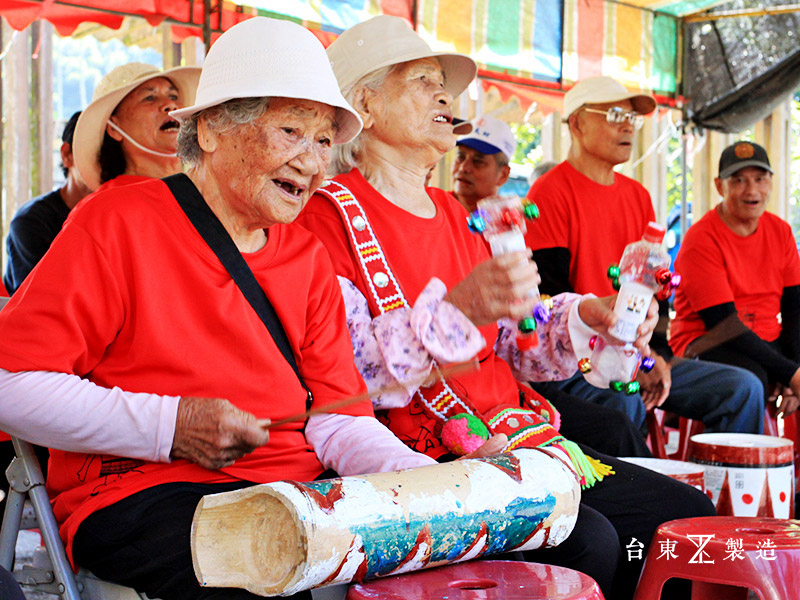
[[448, 371]]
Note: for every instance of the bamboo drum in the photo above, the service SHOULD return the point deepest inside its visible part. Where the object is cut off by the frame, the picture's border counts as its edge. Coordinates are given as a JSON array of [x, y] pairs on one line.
[[284, 537]]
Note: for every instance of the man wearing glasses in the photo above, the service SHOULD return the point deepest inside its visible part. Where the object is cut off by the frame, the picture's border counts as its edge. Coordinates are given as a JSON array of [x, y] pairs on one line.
[[589, 213]]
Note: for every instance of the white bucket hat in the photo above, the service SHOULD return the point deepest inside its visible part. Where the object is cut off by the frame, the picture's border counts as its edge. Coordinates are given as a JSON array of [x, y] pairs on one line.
[[111, 90], [383, 41], [601, 90], [263, 57]]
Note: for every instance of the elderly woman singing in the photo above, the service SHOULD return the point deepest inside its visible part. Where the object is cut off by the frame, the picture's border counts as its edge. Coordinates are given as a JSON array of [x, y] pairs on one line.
[[126, 135], [421, 289], [173, 320]]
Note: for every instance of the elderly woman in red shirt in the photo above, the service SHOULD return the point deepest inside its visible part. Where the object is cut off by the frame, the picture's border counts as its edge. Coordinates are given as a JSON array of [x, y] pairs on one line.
[[133, 352], [421, 289]]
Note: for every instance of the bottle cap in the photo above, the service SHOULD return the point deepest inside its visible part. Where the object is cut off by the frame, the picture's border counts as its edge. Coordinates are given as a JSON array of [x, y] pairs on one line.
[[654, 232]]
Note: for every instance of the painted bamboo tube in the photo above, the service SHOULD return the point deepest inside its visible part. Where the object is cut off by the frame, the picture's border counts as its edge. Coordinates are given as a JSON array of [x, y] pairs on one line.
[[284, 537]]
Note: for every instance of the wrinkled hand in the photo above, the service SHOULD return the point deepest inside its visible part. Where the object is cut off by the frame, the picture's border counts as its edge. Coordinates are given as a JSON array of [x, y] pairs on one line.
[[213, 433], [655, 384], [791, 396], [494, 445], [497, 288], [598, 313]]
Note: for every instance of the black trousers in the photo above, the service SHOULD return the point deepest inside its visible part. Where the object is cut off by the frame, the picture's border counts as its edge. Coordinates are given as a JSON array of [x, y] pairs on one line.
[[143, 540], [7, 455], [604, 429], [9, 588]]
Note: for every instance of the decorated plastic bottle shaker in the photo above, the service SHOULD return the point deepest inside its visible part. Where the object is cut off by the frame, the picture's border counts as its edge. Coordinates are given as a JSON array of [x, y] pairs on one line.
[[501, 220], [643, 270], [614, 366]]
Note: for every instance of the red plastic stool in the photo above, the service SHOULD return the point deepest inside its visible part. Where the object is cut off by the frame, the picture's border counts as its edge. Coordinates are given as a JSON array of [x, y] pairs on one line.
[[485, 580], [757, 553]]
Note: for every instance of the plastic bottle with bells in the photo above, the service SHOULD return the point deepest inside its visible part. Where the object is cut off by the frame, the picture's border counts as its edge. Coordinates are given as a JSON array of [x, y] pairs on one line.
[[643, 270], [501, 220], [642, 273], [614, 366]]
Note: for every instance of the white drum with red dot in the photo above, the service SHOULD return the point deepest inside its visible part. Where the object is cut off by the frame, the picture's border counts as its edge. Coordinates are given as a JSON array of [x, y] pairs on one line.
[[747, 475]]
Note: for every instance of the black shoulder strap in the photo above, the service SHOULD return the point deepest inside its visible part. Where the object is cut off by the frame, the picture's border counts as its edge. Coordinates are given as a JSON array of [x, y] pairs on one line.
[[217, 238]]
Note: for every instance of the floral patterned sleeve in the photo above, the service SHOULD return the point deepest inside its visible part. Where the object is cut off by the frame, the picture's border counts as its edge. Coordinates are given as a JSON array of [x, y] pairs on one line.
[[399, 347], [562, 340]]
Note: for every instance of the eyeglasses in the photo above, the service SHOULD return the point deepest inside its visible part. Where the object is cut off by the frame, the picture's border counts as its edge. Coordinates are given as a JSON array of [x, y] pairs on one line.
[[616, 115]]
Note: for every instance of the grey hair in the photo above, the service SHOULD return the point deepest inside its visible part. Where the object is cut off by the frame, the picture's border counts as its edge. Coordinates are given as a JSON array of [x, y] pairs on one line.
[[222, 118], [500, 159], [345, 157]]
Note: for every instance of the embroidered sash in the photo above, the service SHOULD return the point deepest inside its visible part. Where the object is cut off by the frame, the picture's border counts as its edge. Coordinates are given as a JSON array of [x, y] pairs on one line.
[[438, 400], [524, 427]]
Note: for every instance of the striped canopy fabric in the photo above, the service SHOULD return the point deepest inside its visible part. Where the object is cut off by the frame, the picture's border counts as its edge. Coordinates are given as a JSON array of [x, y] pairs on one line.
[[66, 15], [532, 40], [517, 38], [637, 47], [546, 44], [331, 16], [676, 8]]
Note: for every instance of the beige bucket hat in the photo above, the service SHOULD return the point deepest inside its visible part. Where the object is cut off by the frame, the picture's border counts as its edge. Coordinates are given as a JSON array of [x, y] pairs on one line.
[[263, 57], [111, 90], [385, 40]]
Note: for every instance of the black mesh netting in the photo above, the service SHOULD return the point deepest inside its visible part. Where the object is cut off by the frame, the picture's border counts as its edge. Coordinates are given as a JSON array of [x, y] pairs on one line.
[[739, 69]]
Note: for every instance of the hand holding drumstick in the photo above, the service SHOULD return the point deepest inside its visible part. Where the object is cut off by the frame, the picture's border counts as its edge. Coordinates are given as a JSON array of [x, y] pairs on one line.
[[214, 433]]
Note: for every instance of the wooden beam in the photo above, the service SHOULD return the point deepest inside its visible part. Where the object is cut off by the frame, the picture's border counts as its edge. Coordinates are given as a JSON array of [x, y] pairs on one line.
[[552, 138], [773, 134], [207, 24], [704, 171], [16, 93], [192, 52], [42, 99], [171, 52], [653, 170], [781, 157], [762, 11]]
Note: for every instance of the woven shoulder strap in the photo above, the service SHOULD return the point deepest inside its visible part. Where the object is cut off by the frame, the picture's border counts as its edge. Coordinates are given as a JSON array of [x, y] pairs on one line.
[[217, 238], [523, 427], [438, 400]]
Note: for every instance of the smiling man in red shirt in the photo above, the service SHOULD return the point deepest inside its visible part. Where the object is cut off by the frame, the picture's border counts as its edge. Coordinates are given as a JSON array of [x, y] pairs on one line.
[[741, 270]]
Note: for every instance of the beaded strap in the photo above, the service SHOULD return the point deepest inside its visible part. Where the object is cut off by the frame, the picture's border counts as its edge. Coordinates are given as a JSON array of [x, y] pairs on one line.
[[523, 427], [439, 400]]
